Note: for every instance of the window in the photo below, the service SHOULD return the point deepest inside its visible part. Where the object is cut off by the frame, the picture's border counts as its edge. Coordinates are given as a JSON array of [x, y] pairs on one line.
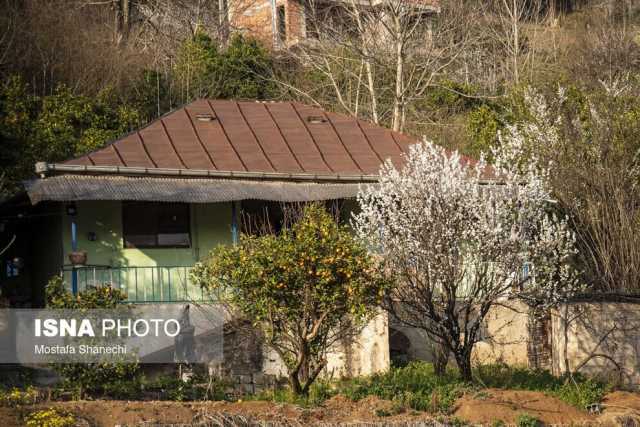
[[155, 225], [282, 24]]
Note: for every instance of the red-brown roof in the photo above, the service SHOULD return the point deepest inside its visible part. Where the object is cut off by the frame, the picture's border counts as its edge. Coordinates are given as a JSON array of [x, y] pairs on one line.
[[281, 137]]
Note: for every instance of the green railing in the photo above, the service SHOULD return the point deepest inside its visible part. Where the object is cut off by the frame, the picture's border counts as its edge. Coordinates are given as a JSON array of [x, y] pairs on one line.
[[156, 284]]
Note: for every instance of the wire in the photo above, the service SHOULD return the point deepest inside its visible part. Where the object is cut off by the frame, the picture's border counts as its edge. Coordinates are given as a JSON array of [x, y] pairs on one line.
[[13, 239]]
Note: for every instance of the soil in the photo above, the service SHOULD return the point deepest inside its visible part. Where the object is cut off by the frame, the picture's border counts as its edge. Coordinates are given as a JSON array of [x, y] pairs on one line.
[[490, 405], [484, 407]]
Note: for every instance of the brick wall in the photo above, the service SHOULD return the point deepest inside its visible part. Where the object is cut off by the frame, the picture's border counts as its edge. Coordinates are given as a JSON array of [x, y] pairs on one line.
[[254, 17]]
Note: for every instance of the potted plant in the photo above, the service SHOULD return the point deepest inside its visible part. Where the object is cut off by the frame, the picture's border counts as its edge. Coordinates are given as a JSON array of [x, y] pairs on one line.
[[78, 257]]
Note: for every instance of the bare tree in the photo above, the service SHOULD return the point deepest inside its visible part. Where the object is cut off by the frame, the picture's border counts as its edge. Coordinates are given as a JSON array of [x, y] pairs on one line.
[[379, 58], [514, 25]]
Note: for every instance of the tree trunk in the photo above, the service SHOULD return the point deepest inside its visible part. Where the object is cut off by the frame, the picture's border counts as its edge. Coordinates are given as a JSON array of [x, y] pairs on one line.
[[123, 20], [399, 89], [441, 356], [463, 360], [294, 382]]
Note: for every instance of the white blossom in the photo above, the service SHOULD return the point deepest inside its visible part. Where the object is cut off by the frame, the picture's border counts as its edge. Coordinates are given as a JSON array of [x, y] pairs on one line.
[[455, 234]]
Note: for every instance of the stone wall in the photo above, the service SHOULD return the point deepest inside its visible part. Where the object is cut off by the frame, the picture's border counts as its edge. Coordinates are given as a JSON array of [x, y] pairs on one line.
[[598, 338]]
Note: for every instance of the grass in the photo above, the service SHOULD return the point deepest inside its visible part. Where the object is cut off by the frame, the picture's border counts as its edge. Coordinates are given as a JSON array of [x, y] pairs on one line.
[[319, 392], [526, 420], [416, 386], [412, 387], [578, 390]]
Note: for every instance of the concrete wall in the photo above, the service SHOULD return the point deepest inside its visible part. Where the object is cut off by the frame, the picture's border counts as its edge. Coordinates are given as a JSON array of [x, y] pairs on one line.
[[366, 355], [601, 339], [505, 336]]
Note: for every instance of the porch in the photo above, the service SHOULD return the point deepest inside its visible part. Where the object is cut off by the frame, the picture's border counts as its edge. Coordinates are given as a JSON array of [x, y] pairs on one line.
[[141, 284]]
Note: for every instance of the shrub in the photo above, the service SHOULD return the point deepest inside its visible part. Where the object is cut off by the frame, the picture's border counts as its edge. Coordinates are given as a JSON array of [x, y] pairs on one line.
[[17, 397], [50, 418], [104, 297], [580, 393], [526, 420], [93, 378], [483, 124]]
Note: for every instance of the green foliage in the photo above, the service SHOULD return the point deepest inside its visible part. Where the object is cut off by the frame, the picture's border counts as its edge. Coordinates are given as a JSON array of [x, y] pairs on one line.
[[105, 297], [314, 274], [414, 386], [150, 94], [451, 97], [50, 418], [581, 393], [417, 387], [483, 124], [70, 125], [515, 378], [319, 392], [526, 420], [55, 127], [17, 397], [270, 276], [240, 71], [92, 378]]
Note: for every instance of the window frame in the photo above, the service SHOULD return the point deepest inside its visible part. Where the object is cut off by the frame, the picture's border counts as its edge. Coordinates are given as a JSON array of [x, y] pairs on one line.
[[127, 245]]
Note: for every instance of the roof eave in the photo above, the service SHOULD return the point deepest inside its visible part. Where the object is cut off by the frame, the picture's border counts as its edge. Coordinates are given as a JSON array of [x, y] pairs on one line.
[[43, 169]]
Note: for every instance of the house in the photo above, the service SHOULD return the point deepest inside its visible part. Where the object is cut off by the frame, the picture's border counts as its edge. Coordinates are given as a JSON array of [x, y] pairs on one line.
[[141, 211], [284, 23], [149, 205]]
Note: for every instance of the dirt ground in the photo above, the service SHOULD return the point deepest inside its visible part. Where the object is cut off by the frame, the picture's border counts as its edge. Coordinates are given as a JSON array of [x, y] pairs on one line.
[[506, 405], [480, 408]]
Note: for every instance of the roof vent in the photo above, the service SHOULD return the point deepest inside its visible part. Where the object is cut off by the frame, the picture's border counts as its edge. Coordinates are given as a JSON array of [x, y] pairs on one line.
[[316, 119], [204, 117]]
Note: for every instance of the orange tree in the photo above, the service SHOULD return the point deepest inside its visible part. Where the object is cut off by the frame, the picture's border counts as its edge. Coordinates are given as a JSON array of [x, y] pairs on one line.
[[305, 289]]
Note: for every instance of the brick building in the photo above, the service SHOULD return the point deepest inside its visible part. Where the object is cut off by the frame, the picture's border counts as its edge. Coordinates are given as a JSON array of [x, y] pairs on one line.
[[294, 21]]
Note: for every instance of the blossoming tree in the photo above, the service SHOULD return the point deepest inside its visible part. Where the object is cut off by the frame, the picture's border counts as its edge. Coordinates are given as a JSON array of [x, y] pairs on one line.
[[458, 237]]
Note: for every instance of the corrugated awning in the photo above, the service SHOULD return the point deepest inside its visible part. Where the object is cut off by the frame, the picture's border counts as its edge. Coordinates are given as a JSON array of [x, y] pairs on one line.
[[185, 190]]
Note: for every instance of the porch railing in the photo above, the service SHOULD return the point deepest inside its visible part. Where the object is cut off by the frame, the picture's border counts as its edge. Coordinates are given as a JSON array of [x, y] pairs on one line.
[[156, 284]]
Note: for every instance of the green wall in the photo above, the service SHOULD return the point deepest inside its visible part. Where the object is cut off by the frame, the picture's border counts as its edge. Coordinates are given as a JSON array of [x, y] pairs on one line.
[[210, 226]]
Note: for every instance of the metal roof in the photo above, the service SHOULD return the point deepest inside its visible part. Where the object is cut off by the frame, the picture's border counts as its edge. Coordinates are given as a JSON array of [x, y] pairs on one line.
[[254, 137], [221, 150]]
